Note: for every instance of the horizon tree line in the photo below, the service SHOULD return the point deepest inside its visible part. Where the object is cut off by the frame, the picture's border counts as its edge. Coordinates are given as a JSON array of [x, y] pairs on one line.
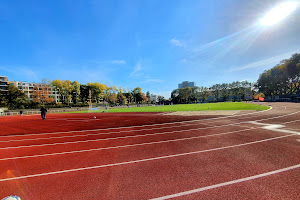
[[72, 93], [282, 79], [234, 91]]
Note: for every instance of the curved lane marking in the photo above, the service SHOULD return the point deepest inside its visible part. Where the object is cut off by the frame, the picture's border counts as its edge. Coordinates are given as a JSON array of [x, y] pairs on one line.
[[139, 161], [180, 194]]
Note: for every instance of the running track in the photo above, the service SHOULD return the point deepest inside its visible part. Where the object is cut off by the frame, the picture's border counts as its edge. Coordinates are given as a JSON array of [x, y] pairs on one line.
[[249, 155]]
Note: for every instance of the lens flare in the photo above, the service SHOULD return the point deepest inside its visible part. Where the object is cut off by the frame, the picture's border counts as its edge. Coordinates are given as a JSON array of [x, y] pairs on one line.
[[278, 13]]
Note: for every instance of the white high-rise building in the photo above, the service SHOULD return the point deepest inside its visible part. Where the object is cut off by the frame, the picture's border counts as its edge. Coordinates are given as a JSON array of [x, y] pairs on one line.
[[153, 98], [186, 84]]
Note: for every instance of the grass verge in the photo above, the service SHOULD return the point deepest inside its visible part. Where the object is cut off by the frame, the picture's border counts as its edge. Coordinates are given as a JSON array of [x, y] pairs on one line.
[[186, 107]]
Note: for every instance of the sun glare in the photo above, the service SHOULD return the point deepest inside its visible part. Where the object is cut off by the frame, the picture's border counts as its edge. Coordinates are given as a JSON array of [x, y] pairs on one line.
[[278, 13]]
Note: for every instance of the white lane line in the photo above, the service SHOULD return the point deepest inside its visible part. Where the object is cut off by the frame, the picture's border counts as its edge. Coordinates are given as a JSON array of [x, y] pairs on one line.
[[117, 137], [161, 124], [95, 140], [139, 161], [180, 194], [123, 146], [291, 121], [236, 112], [129, 131], [108, 133], [278, 116], [275, 127]]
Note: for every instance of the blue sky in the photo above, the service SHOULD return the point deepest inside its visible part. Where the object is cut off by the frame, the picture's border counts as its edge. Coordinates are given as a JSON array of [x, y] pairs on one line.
[[152, 44]]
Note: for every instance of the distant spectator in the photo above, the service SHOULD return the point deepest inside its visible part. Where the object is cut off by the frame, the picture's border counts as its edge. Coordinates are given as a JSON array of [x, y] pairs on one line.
[[21, 113], [43, 113]]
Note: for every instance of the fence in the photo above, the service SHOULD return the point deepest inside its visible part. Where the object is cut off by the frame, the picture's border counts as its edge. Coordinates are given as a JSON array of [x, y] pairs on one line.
[[32, 112]]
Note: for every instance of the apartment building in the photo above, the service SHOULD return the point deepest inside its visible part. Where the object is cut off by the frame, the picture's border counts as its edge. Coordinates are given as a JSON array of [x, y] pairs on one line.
[[3, 83], [30, 89], [153, 98], [3, 87], [185, 84]]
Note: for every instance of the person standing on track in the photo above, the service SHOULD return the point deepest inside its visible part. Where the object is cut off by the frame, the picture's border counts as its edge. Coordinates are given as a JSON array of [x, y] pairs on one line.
[[43, 113], [21, 113]]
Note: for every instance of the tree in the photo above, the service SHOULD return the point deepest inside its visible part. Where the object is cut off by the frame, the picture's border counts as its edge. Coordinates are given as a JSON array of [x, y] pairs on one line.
[[111, 96], [67, 90], [41, 94], [145, 98], [175, 96], [84, 93], [75, 91], [215, 91], [282, 79], [185, 94], [148, 96], [137, 94], [99, 91], [160, 99], [224, 91], [58, 87], [121, 99], [129, 96], [15, 98]]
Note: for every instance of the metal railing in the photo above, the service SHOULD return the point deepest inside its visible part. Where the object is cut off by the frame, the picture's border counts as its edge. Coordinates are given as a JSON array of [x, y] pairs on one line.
[[32, 112]]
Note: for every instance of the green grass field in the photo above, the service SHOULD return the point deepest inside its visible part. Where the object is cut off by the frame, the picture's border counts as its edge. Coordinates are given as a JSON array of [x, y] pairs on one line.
[[186, 107]]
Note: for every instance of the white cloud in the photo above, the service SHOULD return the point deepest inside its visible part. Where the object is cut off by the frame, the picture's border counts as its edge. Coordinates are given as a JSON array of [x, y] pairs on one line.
[[135, 71], [176, 42], [21, 71], [150, 80], [86, 74], [265, 62], [184, 60], [28, 73], [6, 69], [120, 62]]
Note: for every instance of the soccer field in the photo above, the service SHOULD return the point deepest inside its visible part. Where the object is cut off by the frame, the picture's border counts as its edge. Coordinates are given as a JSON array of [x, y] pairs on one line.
[[187, 107]]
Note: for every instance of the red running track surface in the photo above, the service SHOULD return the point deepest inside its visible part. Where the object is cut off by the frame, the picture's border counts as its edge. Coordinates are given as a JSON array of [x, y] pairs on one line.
[[151, 155]]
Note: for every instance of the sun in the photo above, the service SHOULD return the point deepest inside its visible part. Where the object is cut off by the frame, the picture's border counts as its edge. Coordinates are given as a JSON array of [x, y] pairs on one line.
[[278, 13]]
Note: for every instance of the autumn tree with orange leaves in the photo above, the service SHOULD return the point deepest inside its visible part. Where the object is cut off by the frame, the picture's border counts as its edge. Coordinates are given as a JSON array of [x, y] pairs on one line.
[[41, 94]]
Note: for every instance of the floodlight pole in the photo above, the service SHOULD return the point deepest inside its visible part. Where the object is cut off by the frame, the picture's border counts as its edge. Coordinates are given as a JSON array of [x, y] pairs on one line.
[[90, 98]]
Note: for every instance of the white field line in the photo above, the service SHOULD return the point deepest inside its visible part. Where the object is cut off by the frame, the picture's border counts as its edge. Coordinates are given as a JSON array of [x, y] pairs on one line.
[[180, 194], [293, 113], [275, 127], [58, 143], [95, 140], [104, 133], [161, 124], [291, 121], [138, 130], [236, 112], [141, 160], [124, 146], [279, 116]]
